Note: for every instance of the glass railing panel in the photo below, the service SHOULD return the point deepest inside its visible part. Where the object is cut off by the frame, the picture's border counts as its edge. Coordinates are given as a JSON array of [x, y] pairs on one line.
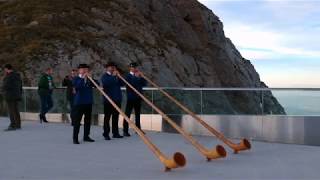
[[32, 100], [98, 106], [145, 108], [98, 103], [60, 101], [231, 102], [294, 103], [191, 99]]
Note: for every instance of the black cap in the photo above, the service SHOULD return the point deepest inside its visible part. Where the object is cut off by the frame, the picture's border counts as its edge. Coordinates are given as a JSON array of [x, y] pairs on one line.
[[83, 66], [8, 66], [134, 65], [110, 64]]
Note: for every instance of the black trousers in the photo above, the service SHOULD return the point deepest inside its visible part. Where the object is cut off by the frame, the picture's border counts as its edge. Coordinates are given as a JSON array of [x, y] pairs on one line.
[[46, 103], [72, 109], [109, 111], [136, 105], [14, 114], [79, 112]]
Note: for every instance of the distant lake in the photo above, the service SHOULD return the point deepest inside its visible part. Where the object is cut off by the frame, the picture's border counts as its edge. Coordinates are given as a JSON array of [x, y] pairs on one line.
[[299, 102]]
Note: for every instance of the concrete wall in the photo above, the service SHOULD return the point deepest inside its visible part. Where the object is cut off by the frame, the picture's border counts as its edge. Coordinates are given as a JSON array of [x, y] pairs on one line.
[[280, 129]]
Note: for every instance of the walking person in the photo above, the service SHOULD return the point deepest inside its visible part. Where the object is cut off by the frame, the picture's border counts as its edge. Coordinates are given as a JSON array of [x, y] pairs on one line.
[[70, 93], [133, 99], [112, 87], [12, 90], [45, 89], [83, 101]]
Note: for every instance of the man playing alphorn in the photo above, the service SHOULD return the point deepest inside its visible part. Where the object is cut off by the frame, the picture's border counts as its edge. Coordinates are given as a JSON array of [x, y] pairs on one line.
[[133, 99], [112, 87], [83, 101]]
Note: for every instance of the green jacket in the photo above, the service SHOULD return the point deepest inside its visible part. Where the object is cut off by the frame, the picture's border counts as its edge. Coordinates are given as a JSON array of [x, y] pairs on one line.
[[45, 85]]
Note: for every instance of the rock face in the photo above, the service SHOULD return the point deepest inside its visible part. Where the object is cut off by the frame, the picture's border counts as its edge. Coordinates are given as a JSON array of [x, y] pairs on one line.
[[179, 43]]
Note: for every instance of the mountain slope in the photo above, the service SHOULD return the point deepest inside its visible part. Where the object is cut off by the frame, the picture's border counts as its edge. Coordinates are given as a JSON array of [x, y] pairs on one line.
[[178, 42]]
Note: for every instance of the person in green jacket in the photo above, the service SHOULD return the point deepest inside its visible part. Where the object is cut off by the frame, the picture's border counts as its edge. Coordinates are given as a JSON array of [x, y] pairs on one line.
[[45, 89]]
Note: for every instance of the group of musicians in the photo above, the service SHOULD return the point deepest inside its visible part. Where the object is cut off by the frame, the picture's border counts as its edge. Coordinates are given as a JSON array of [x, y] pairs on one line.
[[80, 96], [111, 84]]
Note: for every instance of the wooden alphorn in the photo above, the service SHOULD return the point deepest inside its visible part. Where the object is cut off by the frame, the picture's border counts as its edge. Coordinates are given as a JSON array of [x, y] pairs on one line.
[[178, 159], [242, 146], [217, 152]]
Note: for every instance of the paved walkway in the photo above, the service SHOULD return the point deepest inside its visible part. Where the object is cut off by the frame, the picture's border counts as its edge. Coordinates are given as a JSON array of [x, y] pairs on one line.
[[46, 152]]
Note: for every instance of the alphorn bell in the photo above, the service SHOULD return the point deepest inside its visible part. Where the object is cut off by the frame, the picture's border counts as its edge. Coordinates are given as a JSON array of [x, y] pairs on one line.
[[242, 146], [216, 153], [178, 158]]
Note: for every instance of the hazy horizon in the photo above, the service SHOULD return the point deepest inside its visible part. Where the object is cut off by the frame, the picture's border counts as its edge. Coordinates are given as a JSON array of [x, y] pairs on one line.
[[281, 38]]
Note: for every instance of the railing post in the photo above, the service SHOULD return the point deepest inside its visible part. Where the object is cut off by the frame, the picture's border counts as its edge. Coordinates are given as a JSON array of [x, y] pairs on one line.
[[25, 100], [201, 102], [152, 111], [262, 103], [263, 113]]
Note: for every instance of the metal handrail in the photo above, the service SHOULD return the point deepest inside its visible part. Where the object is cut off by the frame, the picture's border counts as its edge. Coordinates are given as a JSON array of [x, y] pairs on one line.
[[211, 89]]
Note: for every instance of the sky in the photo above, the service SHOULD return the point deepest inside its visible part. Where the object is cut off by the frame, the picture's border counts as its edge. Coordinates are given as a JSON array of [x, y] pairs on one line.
[[280, 37]]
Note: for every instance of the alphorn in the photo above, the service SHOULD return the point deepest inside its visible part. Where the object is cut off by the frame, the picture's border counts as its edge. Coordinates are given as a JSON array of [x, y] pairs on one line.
[[178, 159], [217, 152], [242, 146]]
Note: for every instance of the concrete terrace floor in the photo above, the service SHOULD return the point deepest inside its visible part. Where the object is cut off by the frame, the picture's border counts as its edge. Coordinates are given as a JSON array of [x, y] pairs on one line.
[[46, 152]]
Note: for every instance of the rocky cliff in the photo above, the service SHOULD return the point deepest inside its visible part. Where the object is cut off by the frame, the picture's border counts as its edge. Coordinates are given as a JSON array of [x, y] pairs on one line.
[[177, 42]]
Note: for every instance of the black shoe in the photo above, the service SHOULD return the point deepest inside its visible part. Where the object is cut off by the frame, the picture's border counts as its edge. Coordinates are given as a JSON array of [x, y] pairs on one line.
[[107, 138], [10, 129], [117, 136], [40, 118], [76, 141], [126, 134], [88, 139], [43, 118]]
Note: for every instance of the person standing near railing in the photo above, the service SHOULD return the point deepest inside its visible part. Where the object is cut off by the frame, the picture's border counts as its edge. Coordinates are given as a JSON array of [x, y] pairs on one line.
[[112, 87], [45, 89], [83, 101], [133, 100], [12, 90], [67, 82]]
